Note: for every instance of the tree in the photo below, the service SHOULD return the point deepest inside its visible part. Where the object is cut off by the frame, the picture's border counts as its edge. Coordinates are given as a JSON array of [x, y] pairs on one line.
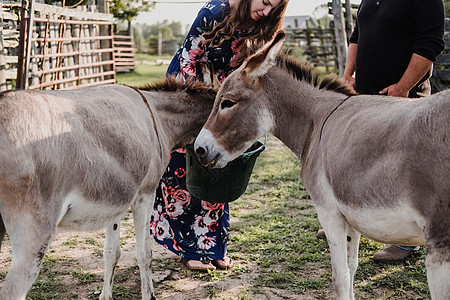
[[146, 36], [127, 10], [447, 8]]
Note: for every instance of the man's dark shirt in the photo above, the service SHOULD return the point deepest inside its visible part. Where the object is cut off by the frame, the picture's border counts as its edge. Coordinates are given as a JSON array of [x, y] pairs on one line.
[[388, 32]]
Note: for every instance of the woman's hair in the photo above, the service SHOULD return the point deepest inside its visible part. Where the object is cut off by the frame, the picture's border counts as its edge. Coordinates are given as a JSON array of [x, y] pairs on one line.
[[263, 31]]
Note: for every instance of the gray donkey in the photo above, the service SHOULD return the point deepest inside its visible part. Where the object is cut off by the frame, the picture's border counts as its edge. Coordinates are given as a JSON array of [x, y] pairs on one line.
[[374, 165], [79, 159]]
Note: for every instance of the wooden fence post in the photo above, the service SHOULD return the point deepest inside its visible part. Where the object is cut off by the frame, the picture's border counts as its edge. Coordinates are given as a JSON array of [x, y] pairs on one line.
[[348, 18], [2, 50], [340, 35]]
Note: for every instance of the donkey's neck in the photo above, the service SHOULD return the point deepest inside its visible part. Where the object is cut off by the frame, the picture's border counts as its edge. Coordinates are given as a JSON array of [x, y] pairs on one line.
[[179, 115], [300, 110]]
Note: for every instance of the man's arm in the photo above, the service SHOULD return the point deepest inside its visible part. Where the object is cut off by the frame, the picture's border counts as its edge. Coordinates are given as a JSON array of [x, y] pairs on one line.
[[417, 68], [350, 65]]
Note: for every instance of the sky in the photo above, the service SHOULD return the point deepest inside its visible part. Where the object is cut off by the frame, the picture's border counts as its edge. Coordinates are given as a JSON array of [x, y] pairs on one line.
[[186, 12]]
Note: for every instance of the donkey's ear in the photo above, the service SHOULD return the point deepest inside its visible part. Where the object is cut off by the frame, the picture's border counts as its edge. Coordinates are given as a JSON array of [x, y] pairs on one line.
[[259, 63], [209, 78]]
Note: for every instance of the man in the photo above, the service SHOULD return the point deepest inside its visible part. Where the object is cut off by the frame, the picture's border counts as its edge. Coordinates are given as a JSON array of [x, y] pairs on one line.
[[391, 52]]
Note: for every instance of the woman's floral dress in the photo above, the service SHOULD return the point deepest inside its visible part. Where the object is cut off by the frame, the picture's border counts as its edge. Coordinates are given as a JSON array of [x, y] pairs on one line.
[[190, 227]]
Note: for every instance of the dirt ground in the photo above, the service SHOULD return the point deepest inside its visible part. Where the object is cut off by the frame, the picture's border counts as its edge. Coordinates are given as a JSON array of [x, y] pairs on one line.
[[80, 252]]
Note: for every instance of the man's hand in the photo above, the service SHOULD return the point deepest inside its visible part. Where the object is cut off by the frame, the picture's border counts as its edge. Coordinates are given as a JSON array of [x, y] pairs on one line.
[[395, 91], [417, 68], [350, 80]]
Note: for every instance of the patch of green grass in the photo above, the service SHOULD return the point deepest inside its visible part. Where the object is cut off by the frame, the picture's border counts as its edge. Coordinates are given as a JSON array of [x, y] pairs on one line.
[[3, 274], [290, 281], [142, 75], [410, 276], [72, 242], [48, 285], [119, 293], [244, 294], [123, 275], [84, 277], [123, 293], [211, 275], [212, 292], [151, 58], [162, 264], [93, 241]]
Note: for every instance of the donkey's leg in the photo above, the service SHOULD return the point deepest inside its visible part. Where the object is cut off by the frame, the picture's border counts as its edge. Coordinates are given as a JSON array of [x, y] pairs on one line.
[[30, 237], [111, 254], [438, 273], [437, 237], [142, 213], [353, 238], [336, 230], [438, 263]]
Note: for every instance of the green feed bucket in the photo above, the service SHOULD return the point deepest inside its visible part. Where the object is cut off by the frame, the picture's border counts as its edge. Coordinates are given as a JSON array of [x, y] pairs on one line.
[[220, 185]]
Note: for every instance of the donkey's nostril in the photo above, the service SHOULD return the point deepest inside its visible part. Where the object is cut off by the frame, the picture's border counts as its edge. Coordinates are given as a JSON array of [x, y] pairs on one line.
[[200, 151]]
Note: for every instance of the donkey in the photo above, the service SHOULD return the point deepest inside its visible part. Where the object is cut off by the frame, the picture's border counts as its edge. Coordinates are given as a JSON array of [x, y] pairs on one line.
[[79, 159], [373, 165]]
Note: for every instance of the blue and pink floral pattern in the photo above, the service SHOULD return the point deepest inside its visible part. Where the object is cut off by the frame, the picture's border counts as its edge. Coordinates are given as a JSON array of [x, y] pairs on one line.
[[190, 227], [194, 50]]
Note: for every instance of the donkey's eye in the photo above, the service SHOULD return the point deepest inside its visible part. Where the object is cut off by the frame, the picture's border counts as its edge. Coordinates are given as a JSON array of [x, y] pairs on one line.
[[227, 104]]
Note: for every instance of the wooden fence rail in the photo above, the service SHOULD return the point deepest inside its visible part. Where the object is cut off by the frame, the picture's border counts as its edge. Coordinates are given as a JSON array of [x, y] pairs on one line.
[[124, 52]]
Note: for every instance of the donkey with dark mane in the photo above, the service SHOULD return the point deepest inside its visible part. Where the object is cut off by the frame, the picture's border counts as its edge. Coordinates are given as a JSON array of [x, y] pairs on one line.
[[79, 159], [373, 165]]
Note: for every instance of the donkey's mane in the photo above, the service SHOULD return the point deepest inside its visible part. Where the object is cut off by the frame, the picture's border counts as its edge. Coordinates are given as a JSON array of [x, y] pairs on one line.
[[305, 72], [170, 84]]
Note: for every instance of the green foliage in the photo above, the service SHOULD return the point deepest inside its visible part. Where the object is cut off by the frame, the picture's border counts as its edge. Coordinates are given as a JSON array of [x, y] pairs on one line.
[[127, 10], [447, 8], [146, 36]]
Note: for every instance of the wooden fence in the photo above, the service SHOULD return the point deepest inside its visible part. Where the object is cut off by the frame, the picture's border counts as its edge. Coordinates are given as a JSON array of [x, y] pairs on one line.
[[319, 45], [441, 71], [124, 52], [50, 47], [319, 41], [65, 48], [9, 43]]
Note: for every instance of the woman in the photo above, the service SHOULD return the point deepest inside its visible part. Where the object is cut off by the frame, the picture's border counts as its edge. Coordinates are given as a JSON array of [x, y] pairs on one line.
[[195, 229]]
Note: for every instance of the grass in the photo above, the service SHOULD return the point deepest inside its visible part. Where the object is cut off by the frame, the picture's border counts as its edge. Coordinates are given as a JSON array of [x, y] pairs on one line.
[[145, 71]]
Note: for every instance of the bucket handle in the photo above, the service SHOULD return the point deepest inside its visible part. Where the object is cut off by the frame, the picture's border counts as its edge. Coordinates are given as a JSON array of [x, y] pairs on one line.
[[246, 156]]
